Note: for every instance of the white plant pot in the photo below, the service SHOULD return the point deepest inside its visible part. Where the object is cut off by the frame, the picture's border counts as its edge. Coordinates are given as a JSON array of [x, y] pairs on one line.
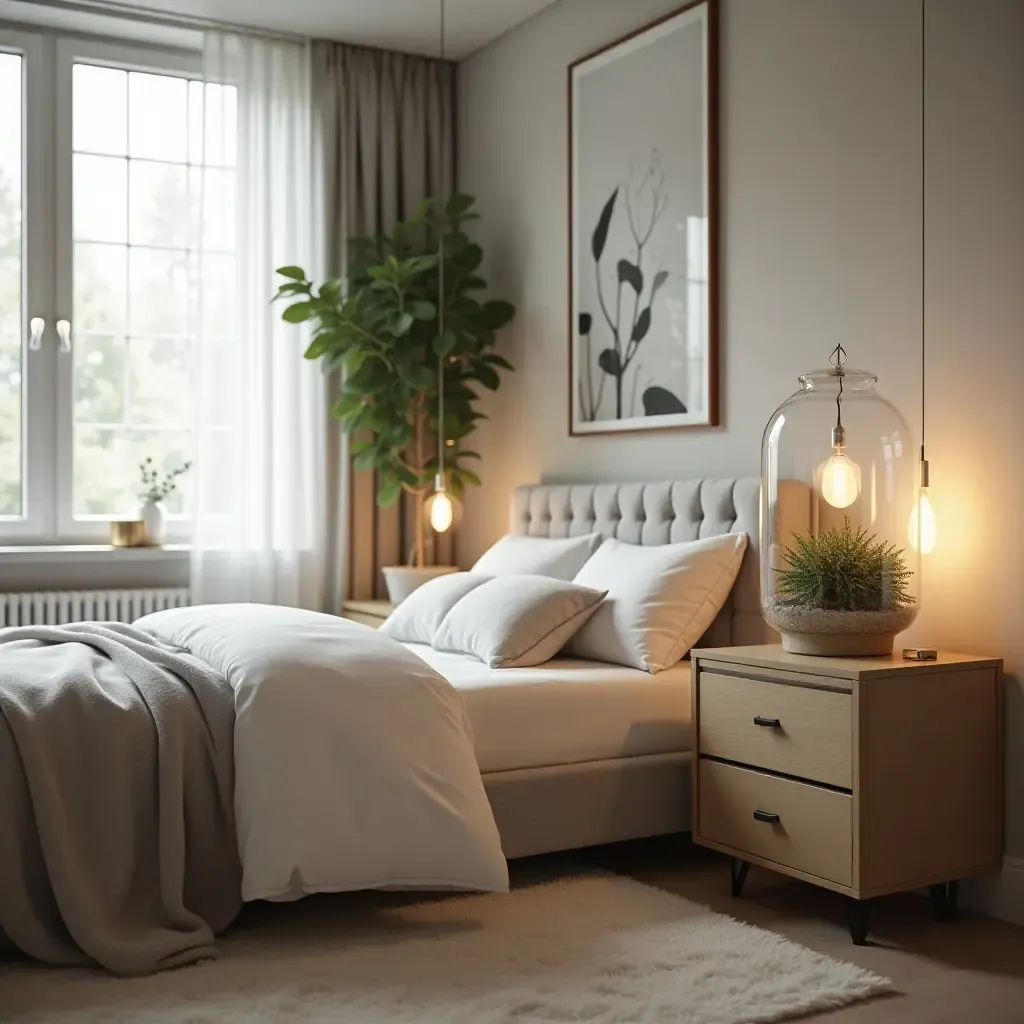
[[152, 514], [402, 580]]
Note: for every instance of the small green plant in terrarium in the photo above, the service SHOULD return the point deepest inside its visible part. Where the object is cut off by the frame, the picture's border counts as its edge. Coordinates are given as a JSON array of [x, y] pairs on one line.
[[157, 486], [844, 570]]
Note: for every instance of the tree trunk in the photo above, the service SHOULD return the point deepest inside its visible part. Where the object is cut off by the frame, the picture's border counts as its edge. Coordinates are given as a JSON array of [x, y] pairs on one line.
[[421, 458]]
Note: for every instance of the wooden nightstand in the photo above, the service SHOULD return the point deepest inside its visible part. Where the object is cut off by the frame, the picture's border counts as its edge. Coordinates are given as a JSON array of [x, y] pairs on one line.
[[369, 613], [864, 775]]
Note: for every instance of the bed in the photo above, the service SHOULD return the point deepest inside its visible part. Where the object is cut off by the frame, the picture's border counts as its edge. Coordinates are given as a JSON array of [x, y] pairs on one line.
[[224, 753], [578, 753]]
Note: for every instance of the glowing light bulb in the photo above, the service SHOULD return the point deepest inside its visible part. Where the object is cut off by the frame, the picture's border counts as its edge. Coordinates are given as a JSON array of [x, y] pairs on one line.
[[922, 531], [840, 480], [442, 512]]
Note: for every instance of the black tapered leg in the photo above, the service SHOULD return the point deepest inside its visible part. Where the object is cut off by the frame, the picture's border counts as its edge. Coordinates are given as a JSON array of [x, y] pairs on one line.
[[945, 900], [738, 870], [860, 920]]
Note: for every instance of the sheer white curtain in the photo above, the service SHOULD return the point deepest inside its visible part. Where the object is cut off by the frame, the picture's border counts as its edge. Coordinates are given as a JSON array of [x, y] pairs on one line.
[[260, 507]]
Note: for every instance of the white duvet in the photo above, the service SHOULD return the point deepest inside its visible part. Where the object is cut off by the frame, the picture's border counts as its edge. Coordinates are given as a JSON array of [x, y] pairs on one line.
[[354, 764]]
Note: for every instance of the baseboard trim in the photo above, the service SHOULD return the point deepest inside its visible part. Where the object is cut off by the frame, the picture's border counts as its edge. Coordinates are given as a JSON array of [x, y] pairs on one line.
[[999, 895]]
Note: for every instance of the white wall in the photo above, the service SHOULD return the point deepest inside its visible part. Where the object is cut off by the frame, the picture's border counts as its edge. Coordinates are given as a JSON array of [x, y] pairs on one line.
[[820, 175]]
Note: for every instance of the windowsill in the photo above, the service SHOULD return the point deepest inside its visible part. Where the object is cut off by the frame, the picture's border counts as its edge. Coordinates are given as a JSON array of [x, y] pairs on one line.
[[65, 553]]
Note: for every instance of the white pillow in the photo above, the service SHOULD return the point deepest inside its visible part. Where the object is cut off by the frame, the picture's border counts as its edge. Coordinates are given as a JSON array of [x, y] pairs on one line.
[[660, 600], [516, 621], [416, 619], [558, 557]]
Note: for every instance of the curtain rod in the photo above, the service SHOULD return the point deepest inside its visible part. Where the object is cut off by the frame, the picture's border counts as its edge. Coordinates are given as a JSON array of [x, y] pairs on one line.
[[184, 21]]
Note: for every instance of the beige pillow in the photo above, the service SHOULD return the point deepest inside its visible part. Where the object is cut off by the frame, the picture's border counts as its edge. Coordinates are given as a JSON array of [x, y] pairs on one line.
[[660, 600], [416, 619], [558, 557], [516, 621]]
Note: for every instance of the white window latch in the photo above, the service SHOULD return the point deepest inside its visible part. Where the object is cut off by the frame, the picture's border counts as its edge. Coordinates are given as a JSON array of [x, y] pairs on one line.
[[64, 333], [36, 326]]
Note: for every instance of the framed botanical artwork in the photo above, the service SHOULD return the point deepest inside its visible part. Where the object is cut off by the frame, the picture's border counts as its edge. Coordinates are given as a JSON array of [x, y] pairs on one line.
[[644, 228]]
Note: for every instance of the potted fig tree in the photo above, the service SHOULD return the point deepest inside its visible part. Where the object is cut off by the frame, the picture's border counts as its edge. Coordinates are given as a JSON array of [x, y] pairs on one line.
[[381, 327]]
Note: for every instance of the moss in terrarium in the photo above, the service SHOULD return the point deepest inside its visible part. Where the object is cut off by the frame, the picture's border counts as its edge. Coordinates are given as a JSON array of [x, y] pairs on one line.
[[843, 570]]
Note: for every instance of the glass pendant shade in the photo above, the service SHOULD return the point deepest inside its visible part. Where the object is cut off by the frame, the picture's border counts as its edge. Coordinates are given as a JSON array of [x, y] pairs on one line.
[[839, 486]]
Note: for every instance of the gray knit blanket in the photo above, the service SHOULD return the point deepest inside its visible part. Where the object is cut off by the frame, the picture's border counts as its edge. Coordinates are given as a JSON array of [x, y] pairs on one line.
[[117, 832]]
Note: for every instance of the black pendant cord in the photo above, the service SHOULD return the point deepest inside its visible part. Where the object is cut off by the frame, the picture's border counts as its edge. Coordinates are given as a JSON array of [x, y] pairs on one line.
[[838, 360], [924, 205], [440, 322]]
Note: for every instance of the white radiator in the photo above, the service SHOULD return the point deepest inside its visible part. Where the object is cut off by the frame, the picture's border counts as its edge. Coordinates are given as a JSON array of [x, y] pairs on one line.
[[54, 607]]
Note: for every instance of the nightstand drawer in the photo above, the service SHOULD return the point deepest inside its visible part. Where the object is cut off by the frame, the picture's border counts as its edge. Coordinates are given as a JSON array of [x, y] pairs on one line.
[[796, 730], [813, 832]]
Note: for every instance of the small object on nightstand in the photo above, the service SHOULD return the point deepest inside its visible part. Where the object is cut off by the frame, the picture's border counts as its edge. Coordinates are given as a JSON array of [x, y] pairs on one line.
[[920, 654], [129, 533], [867, 776], [369, 613]]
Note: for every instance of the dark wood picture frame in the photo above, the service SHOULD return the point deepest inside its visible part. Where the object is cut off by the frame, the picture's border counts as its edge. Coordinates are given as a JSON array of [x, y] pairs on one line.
[[711, 419]]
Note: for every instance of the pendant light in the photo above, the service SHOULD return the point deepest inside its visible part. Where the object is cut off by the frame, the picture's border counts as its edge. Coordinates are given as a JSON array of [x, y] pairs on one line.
[[440, 508], [839, 474], [921, 530]]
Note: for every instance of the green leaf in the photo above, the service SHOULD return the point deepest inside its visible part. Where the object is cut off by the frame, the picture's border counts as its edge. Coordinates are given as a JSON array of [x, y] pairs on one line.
[[346, 406], [495, 314], [366, 459], [388, 493], [354, 360], [292, 288], [317, 347], [467, 259], [459, 204], [487, 376], [445, 343], [423, 310], [401, 324], [421, 378], [495, 360], [297, 312], [330, 291], [469, 476], [295, 273]]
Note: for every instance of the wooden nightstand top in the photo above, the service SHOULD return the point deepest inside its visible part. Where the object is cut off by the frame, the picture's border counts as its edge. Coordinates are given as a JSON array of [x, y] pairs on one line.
[[381, 609], [772, 656]]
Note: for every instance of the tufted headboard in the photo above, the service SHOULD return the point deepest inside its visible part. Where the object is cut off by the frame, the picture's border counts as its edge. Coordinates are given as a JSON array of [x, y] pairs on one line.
[[660, 513]]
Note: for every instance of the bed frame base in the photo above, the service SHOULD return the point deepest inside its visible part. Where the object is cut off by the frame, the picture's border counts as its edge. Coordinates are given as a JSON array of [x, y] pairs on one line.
[[565, 807]]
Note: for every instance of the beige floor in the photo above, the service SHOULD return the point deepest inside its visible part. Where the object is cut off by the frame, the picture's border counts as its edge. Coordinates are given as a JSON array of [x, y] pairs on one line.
[[969, 972]]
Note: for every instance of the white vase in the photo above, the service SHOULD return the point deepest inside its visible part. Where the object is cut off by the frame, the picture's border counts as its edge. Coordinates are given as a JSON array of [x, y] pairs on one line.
[[152, 514], [402, 580]]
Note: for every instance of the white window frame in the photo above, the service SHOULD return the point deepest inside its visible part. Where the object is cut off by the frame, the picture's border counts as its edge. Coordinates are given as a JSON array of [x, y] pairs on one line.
[[38, 468], [131, 57]]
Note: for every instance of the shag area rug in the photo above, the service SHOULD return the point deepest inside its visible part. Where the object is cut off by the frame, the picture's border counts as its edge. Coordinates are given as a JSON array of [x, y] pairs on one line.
[[599, 949]]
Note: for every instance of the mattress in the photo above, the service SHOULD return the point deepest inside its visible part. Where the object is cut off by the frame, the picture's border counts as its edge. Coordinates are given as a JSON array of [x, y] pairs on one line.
[[567, 711]]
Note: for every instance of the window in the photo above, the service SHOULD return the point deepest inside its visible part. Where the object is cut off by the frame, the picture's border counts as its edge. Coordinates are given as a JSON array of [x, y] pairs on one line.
[[142, 267], [11, 307]]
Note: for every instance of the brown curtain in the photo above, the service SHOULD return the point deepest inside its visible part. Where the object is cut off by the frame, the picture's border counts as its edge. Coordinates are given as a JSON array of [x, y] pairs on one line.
[[386, 129]]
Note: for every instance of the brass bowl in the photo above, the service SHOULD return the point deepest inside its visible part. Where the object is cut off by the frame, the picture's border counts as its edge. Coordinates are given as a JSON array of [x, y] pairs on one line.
[[129, 533]]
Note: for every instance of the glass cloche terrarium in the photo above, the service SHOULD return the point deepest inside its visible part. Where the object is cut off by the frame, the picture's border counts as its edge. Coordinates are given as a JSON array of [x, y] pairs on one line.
[[840, 571]]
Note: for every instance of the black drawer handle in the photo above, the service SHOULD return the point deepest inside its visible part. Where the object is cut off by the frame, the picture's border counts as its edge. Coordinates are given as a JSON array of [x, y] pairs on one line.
[[767, 816], [768, 723]]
